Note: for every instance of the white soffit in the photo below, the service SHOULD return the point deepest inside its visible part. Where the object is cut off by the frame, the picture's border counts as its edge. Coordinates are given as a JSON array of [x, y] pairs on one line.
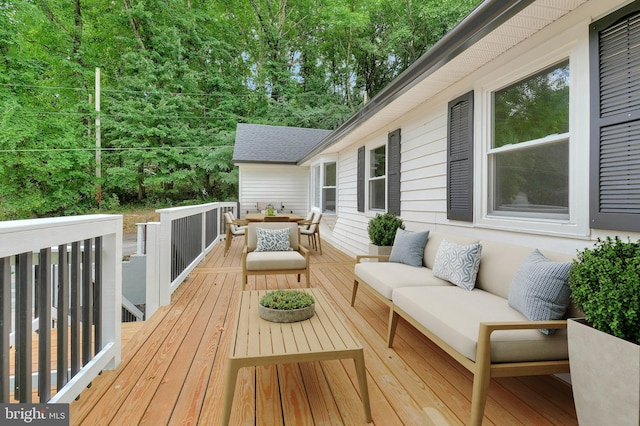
[[522, 26]]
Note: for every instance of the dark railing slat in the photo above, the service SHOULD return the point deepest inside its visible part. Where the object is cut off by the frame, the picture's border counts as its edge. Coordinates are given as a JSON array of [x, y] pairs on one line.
[[63, 317], [44, 325], [87, 302], [97, 296], [24, 306], [74, 308], [5, 327]]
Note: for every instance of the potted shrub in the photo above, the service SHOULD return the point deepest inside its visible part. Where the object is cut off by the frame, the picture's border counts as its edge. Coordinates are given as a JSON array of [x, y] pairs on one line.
[[286, 306], [382, 231], [604, 347]]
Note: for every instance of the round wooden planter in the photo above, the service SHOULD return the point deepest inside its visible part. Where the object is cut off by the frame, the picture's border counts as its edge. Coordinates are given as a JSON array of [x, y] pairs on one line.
[[291, 315]]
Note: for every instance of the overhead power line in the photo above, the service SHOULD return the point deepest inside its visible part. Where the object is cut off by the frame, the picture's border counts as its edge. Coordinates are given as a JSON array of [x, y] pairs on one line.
[[148, 148]]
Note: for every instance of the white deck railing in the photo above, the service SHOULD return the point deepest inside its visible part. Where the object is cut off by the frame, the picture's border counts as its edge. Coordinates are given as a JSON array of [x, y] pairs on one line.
[[86, 301], [176, 244]]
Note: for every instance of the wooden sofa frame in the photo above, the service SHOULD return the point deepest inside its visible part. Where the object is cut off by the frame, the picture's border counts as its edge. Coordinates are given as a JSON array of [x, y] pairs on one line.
[[482, 369]]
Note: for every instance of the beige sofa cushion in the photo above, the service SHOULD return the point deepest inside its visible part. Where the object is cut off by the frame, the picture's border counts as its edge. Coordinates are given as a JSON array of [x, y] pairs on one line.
[[275, 260], [454, 315], [384, 277], [433, 243], [499, 263]]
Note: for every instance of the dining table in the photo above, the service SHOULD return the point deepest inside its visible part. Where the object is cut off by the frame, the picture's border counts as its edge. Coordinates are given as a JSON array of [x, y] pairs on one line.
[[263, 217]]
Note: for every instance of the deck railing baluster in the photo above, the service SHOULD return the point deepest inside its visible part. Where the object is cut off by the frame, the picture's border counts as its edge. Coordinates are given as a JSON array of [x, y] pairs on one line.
[[75, 308], [62, 361], [24, 312], [97, 296], [5, 327], [44, 325], [87, 302]]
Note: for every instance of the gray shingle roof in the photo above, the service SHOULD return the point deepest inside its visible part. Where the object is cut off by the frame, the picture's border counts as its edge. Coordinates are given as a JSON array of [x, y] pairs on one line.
[[259, 143]]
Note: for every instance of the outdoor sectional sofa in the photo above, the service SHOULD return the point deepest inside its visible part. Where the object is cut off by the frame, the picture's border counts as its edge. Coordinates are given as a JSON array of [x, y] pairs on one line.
[[479, 328]]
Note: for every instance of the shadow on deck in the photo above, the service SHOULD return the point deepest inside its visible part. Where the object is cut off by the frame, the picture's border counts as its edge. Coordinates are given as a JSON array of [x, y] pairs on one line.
[[173, 369]]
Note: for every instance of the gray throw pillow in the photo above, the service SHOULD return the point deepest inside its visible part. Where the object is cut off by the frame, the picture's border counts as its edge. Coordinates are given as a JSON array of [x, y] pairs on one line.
[[408, 247], [458, 264], [540, 289]]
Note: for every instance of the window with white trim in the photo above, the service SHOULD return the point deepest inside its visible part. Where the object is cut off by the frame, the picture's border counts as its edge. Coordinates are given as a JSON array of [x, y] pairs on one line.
[[329, 188], [529, 154], [377, 178], [323, 187]]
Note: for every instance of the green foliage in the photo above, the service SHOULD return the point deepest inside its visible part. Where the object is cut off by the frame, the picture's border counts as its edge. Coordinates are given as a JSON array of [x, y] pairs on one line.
[[176, 78], [287, 299], [382, 229], [605, 284]]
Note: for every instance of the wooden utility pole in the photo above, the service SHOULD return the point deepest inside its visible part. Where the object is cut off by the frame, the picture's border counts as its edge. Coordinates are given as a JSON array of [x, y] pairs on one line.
[[98, 141]]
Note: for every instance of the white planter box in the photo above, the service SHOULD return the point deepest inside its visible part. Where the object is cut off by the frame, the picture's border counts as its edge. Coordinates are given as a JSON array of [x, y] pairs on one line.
[[605, 376]]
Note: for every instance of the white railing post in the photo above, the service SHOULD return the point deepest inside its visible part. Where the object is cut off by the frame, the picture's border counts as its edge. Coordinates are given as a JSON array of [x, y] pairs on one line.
[[112, 294], [164, 268], [152, 297]]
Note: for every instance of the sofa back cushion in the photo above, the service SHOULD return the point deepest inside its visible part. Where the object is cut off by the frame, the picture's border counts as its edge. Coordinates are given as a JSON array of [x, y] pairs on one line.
[[433, 243], [501, 261]]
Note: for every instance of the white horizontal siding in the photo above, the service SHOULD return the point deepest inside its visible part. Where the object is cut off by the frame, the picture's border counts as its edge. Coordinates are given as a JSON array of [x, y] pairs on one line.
[[421, 114], [276, 184]]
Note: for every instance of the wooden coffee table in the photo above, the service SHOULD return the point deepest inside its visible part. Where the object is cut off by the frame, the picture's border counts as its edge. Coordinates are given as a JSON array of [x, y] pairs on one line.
[[258, 342]]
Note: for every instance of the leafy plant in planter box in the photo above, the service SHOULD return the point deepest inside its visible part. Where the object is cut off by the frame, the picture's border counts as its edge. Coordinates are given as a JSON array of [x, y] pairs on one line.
[[287, 299], [382, 229], [605, 284]]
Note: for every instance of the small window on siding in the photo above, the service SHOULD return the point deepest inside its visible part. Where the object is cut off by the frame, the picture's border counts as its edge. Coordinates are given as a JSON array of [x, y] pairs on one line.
[[378, 178], [615, 121], [460, 159]]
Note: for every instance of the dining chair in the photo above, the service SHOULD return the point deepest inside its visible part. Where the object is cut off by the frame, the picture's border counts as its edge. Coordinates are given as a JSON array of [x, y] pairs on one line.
[[234, 229], [306, 223], [313, 232]]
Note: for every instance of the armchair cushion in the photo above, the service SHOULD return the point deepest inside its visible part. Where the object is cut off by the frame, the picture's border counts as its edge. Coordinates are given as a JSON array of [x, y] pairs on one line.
[[273, 239], [275, 261]]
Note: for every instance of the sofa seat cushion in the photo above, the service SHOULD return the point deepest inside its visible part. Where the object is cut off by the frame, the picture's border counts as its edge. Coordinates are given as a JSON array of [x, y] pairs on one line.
[[454, 315], [275, 260], [384, 277]]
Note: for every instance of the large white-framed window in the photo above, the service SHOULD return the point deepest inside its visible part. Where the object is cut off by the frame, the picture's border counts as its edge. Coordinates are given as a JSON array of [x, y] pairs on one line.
[[528, 160], [378, 178], [530, 169], [324, 186]]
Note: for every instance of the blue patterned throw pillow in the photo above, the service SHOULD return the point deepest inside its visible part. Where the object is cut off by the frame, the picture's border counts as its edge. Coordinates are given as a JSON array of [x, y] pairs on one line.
[[458, 264], [273, 239], [540, 289]]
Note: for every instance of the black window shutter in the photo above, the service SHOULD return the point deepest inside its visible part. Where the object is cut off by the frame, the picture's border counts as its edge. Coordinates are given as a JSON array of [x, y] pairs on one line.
[[360, 178], [393, 177], [460, 159], [615, 121]]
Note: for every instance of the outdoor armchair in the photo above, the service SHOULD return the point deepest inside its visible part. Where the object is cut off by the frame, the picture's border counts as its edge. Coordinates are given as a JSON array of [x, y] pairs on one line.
[[273, 248]]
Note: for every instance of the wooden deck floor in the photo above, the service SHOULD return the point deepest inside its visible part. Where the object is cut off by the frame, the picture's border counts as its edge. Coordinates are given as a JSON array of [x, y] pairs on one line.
[[173, 369]]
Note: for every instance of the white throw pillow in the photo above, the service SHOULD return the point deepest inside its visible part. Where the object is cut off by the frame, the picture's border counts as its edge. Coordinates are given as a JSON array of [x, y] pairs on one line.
[[273, 239], [458, 264]]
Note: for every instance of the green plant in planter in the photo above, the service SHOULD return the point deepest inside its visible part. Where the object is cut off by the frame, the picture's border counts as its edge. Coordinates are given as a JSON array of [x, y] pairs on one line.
[[287, 299], [382, 229], [605, 284]]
